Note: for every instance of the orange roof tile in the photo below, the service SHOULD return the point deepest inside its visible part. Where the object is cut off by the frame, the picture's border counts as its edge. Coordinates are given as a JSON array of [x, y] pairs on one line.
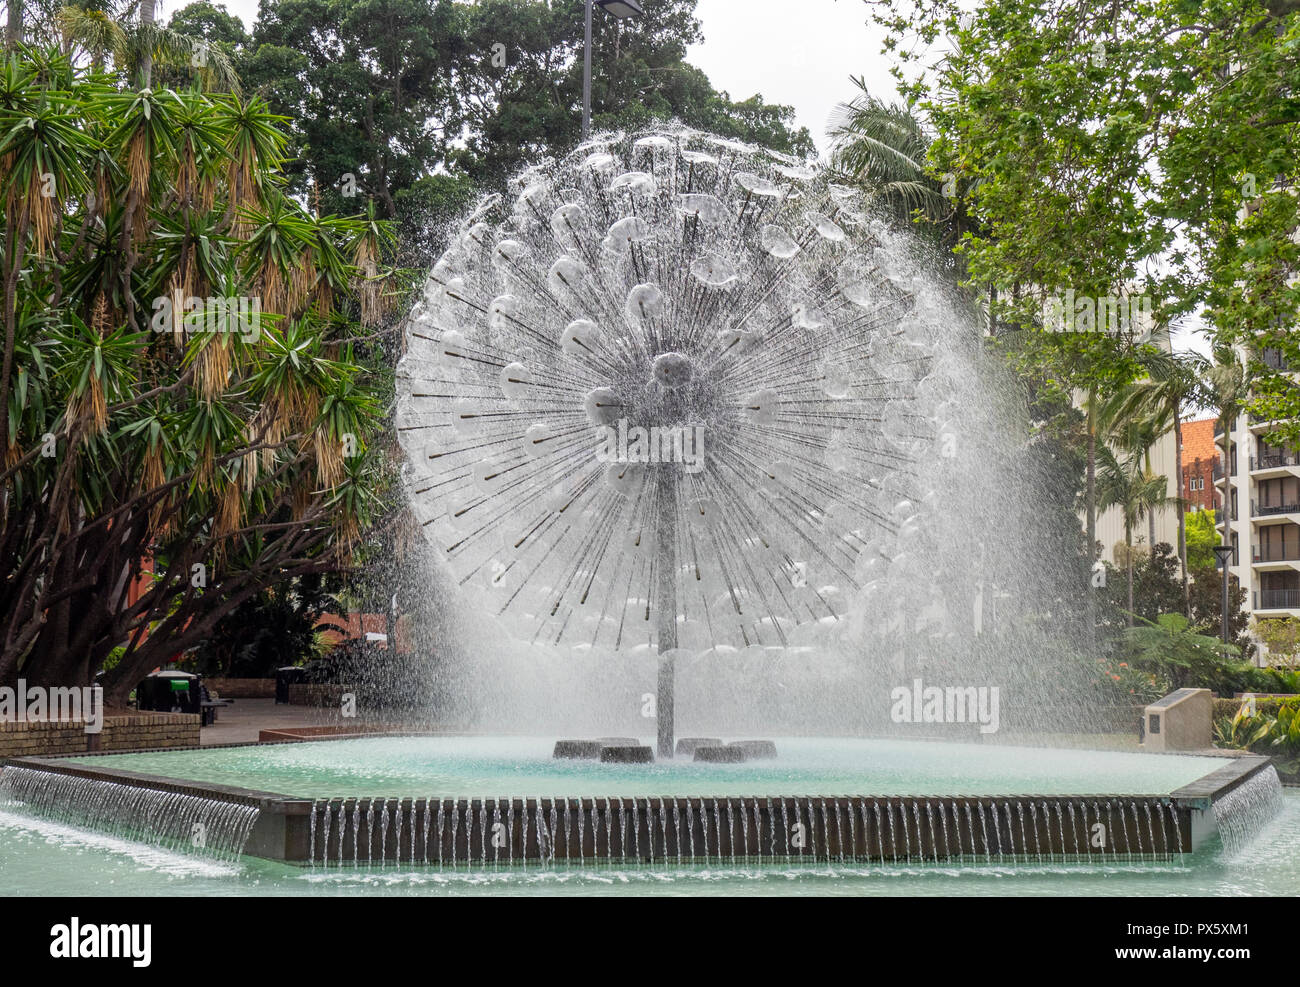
[[1198, 440]]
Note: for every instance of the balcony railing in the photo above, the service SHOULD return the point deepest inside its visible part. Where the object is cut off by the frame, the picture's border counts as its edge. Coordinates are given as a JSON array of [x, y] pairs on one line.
[[1275, 461], [1266, 510], [1277, 599], [1273, 358], [1218, 472], [1277, 555]]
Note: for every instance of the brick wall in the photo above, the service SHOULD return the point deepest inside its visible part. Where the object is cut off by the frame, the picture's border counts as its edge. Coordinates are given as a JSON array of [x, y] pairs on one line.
[[241, 688], [144, 731], [312, 694], [1200, 454]]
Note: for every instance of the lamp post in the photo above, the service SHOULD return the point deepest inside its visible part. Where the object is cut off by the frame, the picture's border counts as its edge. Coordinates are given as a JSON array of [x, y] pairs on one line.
[[1223, 553], [622, 9]]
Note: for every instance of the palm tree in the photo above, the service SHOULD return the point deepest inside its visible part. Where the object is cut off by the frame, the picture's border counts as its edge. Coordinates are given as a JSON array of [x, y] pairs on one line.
[[104, 30], [1226, 386], [882, 147], [1171, 383], [92, 27], [1137, 491]]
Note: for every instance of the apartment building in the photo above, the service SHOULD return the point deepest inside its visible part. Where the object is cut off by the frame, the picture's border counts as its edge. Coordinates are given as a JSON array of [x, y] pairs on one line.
[[1262, 516]]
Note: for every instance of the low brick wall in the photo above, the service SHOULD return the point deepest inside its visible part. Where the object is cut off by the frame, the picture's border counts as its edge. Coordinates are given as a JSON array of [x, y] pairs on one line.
[[137, 731], [315, 694], [241, 688]]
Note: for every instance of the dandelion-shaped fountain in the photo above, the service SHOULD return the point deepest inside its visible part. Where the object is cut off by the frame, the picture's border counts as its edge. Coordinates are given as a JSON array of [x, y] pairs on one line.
[[670, 399]]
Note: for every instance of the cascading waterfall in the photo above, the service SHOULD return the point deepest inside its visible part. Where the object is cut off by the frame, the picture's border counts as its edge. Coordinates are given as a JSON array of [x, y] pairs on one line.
[[209, 827], [1240, 814], [739, 831]]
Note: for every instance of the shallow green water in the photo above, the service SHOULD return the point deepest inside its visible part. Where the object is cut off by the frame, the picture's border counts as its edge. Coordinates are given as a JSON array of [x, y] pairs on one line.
[[492, 767], [40, 858], [47, 858]]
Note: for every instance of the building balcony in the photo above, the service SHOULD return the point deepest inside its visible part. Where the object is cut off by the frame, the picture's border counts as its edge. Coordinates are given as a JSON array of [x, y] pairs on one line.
[[1279, 461], [1273, 510], [1273, 359], [1277, 599], [1264, 556], [1261, 425]]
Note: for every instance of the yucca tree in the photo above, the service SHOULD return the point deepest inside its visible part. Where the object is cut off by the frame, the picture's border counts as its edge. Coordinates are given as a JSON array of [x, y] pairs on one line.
[[142, 451], [1136, 491]]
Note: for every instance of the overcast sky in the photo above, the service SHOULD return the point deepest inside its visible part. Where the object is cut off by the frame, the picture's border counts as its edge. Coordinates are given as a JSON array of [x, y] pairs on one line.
[[798, 52]]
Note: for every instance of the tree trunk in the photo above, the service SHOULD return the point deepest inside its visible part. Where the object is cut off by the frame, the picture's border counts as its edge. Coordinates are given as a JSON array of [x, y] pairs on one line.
[[1090, 509], [14, 28], [146, 57], [1227, 484], [1151, 514], [1128, 541], [1181, 508]]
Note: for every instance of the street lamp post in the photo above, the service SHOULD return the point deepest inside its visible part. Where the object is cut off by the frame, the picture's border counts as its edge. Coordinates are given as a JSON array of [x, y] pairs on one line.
[[621, 9], [1223, 553]]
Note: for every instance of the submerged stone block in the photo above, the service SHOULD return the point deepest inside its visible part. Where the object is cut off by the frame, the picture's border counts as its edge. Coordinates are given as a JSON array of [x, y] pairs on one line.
[[686, 746], [587, 749], [618, 741], [729, 754], [632, 754], [756, 750]]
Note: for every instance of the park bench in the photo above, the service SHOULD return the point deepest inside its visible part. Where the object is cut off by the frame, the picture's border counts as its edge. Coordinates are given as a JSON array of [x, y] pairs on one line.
[[209, 706]]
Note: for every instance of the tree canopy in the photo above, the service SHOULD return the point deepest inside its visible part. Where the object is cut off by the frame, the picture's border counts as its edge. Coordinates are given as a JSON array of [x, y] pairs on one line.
[[1145, 149]]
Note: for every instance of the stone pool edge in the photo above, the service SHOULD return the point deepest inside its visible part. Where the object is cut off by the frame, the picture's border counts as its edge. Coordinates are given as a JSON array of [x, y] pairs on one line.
[[297, 830]]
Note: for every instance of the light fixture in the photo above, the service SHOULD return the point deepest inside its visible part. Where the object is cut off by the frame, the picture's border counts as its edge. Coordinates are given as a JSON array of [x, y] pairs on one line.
[[620, 8]]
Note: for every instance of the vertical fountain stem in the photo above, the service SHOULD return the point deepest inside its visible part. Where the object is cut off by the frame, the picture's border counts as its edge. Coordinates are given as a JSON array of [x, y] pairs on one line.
[[666, 604]]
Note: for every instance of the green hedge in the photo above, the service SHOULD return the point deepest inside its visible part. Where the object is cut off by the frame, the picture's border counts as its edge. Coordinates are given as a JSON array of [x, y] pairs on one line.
[[1228, 707]]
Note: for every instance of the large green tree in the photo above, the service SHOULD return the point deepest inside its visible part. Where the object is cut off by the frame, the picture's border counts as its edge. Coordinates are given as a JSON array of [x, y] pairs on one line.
[[1150, 148], [420, 102]]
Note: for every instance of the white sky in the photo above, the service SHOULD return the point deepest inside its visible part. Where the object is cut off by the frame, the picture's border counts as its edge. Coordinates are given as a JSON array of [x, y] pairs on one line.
[[798, 52]]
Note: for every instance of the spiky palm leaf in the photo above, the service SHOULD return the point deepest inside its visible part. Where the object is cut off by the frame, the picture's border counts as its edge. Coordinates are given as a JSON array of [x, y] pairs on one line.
[[882, 146], [96, 32]]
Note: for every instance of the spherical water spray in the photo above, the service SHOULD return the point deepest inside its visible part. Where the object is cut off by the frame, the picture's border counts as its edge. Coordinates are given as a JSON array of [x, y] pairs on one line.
[[670, 399]]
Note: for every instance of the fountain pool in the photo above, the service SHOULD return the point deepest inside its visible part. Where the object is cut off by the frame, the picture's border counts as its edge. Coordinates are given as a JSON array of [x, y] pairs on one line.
[[474, 767], [41, 857], [500, 801]]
